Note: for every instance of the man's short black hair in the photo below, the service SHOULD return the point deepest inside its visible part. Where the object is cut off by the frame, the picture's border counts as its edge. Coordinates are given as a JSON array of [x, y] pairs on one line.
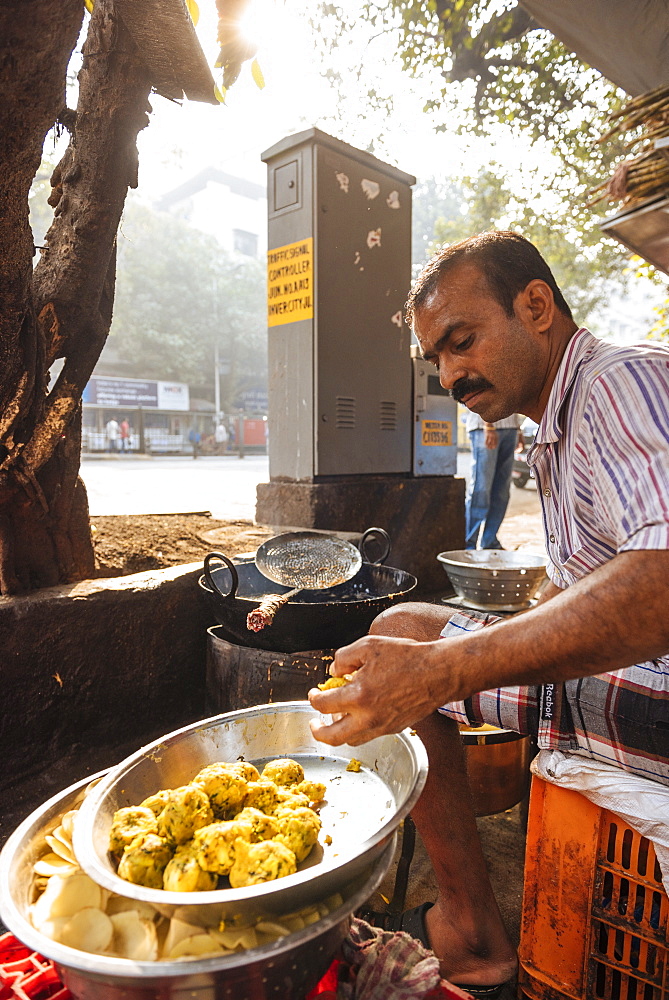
[[507, 261]]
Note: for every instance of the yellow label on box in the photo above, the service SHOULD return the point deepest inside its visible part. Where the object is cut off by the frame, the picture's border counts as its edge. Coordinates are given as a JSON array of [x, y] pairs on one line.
[[290, 283], [436, 432]]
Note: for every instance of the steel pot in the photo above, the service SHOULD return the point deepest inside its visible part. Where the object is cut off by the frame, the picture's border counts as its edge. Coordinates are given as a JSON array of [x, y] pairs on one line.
[[360, 813], [287, 968], [316, 619]]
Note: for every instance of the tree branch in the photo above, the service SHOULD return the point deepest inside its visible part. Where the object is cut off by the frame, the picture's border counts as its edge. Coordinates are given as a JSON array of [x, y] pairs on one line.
[[90, 187], [36, 42]]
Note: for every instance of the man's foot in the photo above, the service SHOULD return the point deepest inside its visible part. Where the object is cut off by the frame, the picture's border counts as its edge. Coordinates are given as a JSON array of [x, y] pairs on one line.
[[478, 957], [462, 964]]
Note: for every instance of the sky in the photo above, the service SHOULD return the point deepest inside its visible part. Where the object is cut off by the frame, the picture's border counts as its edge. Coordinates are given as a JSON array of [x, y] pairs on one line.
[[181, 140]]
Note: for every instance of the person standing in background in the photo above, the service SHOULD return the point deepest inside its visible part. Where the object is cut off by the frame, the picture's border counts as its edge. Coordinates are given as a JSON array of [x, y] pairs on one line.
[[194, 437], [493, 447], [125, 435], [221, 436], [112, 432]]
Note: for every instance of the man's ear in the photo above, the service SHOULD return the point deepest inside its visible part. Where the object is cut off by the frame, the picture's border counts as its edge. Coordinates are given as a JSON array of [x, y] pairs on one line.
[[535, 305]]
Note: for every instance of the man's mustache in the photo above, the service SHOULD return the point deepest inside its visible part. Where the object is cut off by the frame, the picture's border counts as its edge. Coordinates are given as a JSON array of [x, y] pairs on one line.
[[466, 386]]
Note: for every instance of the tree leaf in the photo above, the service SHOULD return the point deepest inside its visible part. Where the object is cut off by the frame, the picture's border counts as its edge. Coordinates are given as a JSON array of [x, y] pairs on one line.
[[193, 10], [257, 74], [89, 4], [219, 93]]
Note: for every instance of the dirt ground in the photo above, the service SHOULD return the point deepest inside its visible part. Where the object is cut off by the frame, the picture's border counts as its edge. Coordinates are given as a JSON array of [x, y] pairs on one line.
[[134, 543]]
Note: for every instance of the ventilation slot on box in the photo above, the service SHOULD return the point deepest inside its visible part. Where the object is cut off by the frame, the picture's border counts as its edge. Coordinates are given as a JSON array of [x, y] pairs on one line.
[[388, 415], [345, 413]]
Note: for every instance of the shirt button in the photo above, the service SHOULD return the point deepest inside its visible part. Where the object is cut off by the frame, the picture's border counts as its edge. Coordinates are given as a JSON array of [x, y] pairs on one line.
[[547, 493], [551, 538]]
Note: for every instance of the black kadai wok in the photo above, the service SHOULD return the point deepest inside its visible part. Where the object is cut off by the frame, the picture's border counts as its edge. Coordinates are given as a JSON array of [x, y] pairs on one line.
[[312, 619]]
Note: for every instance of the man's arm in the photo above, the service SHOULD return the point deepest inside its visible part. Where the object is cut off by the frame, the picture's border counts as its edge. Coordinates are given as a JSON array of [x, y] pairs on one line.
[[612, 618]]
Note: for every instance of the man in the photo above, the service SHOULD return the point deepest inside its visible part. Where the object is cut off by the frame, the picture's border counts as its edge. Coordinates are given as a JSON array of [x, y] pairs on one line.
[[221, 436], [125, 435], [587, 669], [194, 437], [493, 447], [112, 431]]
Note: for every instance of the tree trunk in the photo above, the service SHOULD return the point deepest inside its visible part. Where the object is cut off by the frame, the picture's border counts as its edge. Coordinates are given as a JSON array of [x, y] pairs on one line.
[[63, 309]]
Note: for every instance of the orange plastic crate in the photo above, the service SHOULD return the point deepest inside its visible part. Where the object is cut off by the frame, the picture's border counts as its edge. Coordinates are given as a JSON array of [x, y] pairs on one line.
[[595, 914]]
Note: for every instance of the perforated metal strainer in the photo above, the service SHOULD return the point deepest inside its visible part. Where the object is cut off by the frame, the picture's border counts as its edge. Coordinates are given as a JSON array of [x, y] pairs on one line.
[[308, 560], [303, 560]]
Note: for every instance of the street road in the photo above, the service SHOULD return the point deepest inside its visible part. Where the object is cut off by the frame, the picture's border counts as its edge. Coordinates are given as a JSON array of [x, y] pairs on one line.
[[178, 484], [226, 486]]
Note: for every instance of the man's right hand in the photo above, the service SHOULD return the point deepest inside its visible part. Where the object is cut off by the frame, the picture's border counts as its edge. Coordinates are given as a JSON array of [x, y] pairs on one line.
[[395, 683], [490, 438]]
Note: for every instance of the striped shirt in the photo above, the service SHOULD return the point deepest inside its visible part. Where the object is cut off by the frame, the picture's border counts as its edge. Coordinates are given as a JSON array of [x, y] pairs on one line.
[[601, 461]]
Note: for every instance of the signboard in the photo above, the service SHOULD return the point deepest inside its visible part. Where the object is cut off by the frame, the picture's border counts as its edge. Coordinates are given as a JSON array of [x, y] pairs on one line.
[[290, 283], [436, 432], [132, 393], [173, 396], [252, 400]]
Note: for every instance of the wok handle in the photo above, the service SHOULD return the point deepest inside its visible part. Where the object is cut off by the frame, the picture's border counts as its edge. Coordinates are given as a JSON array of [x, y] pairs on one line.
[[385, 538], [263, 615], [210, 579]]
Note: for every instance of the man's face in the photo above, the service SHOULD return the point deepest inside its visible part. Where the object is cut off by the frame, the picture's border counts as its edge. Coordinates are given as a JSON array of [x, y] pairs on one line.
[[490, 361]]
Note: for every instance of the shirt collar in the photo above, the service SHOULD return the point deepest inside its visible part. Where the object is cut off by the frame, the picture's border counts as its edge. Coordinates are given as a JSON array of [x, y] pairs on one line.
[[578, 347]]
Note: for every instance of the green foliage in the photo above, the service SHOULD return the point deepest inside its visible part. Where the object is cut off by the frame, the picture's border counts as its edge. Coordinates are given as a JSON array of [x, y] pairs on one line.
[[580, 264], [489, 70], [434, 204], [660, 328], [177, 294]]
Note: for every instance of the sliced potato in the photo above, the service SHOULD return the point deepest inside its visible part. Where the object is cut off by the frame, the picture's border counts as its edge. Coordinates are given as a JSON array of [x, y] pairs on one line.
[[134, 937], [60, 833], [197, 945], [62, 850], [65, 896], [53, 928], [236, 940], [179, 931], [67, 822], [88, 930], [272, 928], [52, 864], [120, 904]]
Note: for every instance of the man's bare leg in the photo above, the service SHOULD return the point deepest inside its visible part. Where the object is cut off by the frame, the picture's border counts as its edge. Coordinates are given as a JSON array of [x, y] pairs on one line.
[[464, 926]]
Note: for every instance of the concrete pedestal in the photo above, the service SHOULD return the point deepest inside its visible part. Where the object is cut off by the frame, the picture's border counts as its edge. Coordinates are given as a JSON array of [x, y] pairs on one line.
[[423, 516]]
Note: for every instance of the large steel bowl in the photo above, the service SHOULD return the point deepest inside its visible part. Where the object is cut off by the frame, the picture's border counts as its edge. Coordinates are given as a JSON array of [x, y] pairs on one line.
[[287, 968], [360, 813], [493, 579]]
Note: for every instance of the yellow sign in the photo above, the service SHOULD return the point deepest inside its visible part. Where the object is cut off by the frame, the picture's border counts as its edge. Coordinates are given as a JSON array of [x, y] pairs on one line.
[[290, 283], [436, 432]]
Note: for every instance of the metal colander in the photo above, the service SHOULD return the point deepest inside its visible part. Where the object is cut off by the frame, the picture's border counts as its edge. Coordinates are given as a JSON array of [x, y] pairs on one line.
[[307, 560], [494, 580]]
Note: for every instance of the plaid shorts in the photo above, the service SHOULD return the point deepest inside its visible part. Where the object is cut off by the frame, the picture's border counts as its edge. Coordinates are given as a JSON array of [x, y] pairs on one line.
[[620, 718]]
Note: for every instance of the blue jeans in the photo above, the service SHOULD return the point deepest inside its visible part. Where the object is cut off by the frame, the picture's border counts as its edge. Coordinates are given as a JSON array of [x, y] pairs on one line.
[[488, 493]]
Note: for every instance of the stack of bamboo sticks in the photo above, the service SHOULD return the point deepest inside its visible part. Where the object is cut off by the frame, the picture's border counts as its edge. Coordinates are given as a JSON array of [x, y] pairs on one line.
[[647, 174]]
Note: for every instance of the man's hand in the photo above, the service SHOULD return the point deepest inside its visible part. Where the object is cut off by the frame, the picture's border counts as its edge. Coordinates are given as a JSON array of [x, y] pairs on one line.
[[490, 438], [583, 630], [395, 684]]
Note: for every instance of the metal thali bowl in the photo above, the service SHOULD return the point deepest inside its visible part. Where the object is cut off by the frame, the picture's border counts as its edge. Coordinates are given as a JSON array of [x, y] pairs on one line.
[[493, 579], [288, 967], [360, 813]]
